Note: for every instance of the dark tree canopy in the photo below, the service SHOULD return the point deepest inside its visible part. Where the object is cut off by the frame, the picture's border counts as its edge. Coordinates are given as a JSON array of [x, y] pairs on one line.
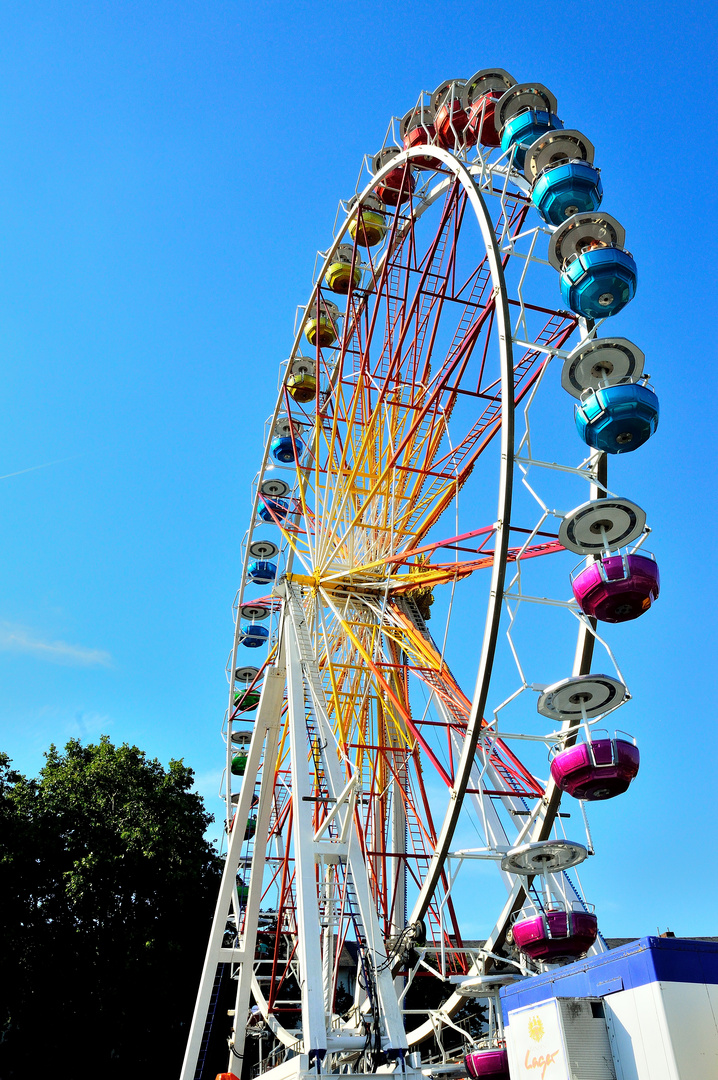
[[108, 888]]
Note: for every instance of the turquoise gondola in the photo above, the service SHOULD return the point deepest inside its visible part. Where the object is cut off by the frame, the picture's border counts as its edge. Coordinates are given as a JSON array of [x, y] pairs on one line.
[[524, 128], [570, 188], [599, 282], [617, 419]]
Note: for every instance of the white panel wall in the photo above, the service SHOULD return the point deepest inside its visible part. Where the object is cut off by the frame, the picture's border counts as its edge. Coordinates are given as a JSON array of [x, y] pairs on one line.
[[664, 1031], [639, 1036], [691, 1011]]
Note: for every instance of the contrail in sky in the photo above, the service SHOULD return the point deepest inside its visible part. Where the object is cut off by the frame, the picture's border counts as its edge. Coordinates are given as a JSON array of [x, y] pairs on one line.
[[33, 468]]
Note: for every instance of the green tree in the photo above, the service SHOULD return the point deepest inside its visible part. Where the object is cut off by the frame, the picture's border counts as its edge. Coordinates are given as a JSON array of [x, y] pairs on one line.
[[113, 886], [18, 886]]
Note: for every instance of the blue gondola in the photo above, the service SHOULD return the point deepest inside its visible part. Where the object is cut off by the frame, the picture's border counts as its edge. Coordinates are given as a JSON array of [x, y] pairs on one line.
[[283, 449], [269, 507], [525, 128], [599, 282], [617, 419], [253, 636], [261, 572], [571, 188]]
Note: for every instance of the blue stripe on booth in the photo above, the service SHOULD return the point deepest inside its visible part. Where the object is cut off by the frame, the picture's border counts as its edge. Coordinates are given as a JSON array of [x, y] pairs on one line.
[[648, 960]]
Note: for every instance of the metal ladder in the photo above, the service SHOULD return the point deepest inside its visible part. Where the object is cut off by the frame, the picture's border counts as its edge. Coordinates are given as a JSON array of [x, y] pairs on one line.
[[207, 1033]]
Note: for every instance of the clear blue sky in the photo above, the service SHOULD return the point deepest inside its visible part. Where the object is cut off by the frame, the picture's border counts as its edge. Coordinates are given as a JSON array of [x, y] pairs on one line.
[[167, 174]]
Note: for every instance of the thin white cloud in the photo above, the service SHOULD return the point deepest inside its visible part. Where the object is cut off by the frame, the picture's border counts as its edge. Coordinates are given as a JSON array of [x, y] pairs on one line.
[[18, 639]]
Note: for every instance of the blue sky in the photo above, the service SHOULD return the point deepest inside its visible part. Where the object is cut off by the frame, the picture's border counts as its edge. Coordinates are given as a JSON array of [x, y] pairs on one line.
[[168, 172]]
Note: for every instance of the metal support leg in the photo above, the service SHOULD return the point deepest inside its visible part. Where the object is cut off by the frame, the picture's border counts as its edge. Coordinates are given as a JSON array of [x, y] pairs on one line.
[[314, 1029], [248, 941]]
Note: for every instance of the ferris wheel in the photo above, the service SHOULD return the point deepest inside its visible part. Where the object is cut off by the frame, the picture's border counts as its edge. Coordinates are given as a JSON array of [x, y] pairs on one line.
[[420, 669]]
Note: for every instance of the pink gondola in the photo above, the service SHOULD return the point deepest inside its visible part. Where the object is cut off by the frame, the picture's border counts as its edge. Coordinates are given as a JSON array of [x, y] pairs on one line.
[[617, 588], [600, 769], [492, 1063], [556, 935]]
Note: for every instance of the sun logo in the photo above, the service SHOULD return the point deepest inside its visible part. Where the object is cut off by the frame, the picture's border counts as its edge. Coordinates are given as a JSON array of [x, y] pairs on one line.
[[536, 1028]]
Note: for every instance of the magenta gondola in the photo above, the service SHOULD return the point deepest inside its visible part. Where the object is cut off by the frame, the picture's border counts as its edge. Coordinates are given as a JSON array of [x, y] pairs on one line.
[[492, 1063], [617, 588], [600, 769], [556, 935]]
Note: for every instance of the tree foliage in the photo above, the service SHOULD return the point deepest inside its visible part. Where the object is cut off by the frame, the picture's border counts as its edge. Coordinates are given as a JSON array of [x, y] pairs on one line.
[[108, 887]]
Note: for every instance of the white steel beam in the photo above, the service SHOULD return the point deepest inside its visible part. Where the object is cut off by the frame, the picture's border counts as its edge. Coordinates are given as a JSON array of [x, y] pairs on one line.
[[314, 1027]]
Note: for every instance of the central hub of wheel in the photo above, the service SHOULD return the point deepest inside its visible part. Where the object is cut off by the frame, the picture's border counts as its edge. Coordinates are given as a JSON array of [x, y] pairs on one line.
[[372, 587]]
